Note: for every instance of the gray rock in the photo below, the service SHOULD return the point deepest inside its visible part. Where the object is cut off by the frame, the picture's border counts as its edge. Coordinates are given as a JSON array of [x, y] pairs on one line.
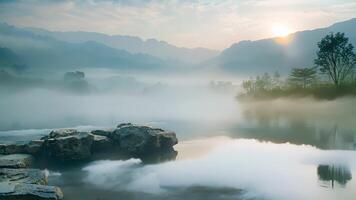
[[7, 149], [60, 133], [124, 124], [28, 176], [34, 147], [23, 191], [102, 143], [143, 140], [26, 184], [68, 145], [16, 161], [106, 133]]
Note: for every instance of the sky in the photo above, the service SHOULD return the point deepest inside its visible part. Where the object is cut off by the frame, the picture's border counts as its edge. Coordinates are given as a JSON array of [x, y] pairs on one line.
[[214, 24]]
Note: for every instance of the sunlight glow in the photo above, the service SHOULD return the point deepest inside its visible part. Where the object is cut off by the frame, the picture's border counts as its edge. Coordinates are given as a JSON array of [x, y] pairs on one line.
[[281, 31]]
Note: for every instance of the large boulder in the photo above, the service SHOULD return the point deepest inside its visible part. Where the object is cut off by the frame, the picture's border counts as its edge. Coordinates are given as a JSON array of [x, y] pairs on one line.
[[68, 145], [23, 191], [16, 161], [141, 141]]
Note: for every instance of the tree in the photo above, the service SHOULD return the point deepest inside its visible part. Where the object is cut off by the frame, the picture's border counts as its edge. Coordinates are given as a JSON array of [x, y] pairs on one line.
[[336, 57], [303, 76], [276, 82], [249, 86]]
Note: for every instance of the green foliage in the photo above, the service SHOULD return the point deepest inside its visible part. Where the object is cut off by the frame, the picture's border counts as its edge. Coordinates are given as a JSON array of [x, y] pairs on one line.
[[336, 57], [303, 77], [261, 83]]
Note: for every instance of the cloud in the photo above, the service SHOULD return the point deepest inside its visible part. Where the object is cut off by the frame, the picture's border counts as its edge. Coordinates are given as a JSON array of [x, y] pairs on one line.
[[214, 24]]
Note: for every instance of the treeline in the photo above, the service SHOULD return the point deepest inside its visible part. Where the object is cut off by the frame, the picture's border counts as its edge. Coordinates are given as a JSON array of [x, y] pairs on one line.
[[333, 75]]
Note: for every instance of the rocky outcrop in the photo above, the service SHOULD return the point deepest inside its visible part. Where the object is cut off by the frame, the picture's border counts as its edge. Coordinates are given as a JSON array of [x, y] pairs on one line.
[[71, 145], [16, 161], [142, 141], [128, 140], [68, 145]]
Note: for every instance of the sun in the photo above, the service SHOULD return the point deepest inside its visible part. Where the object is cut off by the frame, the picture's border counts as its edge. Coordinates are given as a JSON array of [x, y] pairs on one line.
[[281, 31]]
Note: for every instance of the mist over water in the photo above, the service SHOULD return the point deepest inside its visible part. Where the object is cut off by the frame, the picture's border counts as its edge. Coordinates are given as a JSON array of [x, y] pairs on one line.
[[265, 170], [279, 149], [116, 97]]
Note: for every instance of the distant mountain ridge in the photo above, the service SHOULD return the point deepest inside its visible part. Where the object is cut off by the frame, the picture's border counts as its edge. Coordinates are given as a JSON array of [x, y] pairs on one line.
[[268, 55], [153, 47], [38, 51], [42, 49]]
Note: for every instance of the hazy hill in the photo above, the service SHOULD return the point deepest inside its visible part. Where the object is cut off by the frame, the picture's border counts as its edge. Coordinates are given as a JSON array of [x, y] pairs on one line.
[[46, 52], [8, 58], [153, 47], [268, 55]]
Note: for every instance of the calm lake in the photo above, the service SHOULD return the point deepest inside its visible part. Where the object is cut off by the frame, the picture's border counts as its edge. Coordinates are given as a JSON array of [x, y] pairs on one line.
[[277, 150]]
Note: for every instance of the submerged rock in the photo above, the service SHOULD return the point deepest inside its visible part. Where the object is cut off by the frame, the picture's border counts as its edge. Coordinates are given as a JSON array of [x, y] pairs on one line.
[[16, 161], [23, 191], [68, 145]]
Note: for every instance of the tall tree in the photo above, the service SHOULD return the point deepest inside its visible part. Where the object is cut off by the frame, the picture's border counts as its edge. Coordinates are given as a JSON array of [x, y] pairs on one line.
[[336, 57], [303, 76]]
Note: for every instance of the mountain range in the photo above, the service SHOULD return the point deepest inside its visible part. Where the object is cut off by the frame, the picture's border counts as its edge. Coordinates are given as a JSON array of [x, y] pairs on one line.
[[268, 55], [134, 45], [43, 49]]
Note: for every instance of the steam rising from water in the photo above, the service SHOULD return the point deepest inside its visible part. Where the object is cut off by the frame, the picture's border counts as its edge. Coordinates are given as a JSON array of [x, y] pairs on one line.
[[272, 171]]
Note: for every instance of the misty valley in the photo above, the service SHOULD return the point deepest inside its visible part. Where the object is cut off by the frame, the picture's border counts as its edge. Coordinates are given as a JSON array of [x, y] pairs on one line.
[[234, 100]]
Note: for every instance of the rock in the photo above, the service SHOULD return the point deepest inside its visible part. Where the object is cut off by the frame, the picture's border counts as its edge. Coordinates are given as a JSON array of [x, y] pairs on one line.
[[28, 176], [68, 145], [124, 124], [16, 161], [7, 149], [22, 191], [102, 143], [60, 133], [101, 133], [26, 184], [143, 141], [34, 147]]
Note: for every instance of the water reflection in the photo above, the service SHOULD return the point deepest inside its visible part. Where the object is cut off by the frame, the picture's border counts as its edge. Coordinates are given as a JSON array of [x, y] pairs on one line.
[[329, 174], [223, 166], [325, 125]]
